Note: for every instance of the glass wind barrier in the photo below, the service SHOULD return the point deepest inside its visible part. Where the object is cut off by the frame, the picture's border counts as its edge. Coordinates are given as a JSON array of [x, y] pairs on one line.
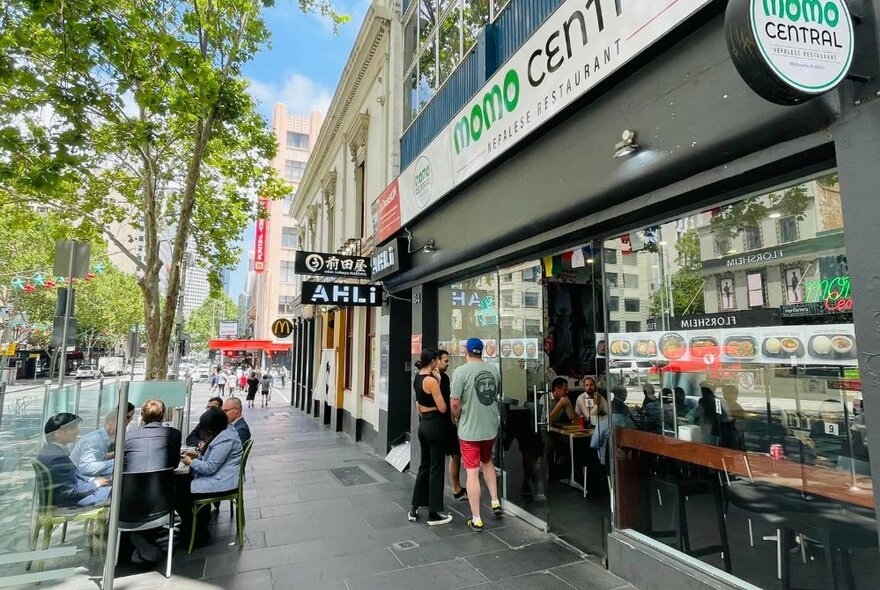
[[53, 518], [732, 364], [57, 456]]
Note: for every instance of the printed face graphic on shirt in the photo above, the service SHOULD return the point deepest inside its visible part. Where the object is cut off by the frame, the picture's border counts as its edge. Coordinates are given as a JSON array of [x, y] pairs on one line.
[[487, 387]]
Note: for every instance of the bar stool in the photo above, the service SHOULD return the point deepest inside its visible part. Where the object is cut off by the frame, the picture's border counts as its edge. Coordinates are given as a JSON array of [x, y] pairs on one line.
[[681, 489]]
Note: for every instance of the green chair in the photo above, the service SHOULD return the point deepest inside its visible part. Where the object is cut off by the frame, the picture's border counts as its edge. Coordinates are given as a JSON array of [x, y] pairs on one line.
[[49, 517], [236, 497]]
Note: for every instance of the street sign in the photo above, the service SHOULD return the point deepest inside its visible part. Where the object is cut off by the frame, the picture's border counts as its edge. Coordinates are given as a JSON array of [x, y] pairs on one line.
[[228, 329], [8, 349], [81, 253], [282, 328], [331, 265], [58, 330], [341, 294]]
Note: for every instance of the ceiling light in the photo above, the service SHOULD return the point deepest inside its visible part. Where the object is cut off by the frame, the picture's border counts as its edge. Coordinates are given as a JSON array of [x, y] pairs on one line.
[[627, 145], [589, 261]]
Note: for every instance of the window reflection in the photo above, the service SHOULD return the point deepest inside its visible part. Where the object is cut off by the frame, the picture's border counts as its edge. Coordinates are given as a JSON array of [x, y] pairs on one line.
[[742, 347]]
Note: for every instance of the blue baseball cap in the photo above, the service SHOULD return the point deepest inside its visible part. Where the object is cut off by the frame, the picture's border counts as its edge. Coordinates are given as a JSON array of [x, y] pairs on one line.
[[474, 346]]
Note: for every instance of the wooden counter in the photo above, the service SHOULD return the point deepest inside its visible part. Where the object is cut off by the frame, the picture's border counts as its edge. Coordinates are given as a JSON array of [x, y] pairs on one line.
[[760, 467]]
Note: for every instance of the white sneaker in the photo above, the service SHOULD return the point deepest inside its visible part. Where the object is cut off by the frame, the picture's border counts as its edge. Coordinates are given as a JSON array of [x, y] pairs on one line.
[[439, 518]]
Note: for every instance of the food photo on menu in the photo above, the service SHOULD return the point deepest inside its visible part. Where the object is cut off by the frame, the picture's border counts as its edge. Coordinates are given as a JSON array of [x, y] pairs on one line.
[[826, 344]]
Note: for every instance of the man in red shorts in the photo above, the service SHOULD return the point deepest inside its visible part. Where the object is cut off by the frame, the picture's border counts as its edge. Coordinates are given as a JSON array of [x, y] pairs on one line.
[[475, 388]]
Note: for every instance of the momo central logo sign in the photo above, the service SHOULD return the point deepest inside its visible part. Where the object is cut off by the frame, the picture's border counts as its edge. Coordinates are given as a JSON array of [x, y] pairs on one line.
[[422, 182], [497, 101], [807, 43]]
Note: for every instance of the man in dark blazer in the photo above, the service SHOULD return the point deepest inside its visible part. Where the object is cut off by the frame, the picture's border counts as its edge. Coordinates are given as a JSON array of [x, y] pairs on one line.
[[232, 408], [150, 448], [153, 446]]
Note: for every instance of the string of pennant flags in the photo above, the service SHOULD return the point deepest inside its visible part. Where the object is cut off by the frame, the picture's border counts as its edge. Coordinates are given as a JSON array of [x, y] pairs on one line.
[[29, 284], [558, 264]]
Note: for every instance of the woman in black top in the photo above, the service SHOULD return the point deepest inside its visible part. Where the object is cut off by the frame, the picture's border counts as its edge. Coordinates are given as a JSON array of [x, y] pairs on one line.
[[433, 440]]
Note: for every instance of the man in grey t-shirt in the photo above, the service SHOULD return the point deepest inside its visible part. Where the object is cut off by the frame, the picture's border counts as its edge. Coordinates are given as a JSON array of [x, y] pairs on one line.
[[475, 389]]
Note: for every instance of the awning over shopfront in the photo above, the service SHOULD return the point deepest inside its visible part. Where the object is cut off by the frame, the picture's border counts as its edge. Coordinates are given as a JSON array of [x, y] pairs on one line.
[[264, 345]]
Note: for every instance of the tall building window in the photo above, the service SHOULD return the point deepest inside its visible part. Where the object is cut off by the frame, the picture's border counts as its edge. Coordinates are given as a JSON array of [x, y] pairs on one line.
[[286, 272], [533, 328], [530, 299], [631, 281], [369, 355], [289, 237], [299, 141], [293, 170], [722, 245], [752, 238], [437, 34], [349, 345], [788, 230], [631, 304], [285, 304], [755, 282], [610, 256], [633, 326], [614, 304]]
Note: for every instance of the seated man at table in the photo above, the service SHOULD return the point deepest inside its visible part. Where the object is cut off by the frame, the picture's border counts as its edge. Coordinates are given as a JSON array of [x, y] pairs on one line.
[[194, 438], [558, 409], [232, 408], [590, 404], [92, 454], [154, 446], [150, 448], [69, 488], [214, 471]]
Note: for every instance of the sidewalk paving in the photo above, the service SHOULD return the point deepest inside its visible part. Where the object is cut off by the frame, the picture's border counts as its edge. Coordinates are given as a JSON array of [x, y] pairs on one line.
[[324, 514]]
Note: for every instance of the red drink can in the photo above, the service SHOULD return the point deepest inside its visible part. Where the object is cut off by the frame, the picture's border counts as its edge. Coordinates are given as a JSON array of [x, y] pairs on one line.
[[777, 451]]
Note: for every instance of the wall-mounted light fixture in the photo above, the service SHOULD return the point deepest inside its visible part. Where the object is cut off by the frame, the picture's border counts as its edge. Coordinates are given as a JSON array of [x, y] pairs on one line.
[[351, 247], [775, 215], [427, 247], [627, 145]]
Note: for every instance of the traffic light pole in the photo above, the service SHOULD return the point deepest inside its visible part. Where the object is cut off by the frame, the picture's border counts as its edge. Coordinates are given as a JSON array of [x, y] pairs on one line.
[[63, 368], [178, 331]]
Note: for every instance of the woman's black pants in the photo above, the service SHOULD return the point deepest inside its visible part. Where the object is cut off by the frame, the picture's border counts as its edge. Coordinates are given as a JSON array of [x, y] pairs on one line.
[[434, 441]]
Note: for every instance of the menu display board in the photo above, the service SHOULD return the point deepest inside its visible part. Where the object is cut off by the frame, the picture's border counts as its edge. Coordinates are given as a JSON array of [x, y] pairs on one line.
[[823, 344], [508, 348]]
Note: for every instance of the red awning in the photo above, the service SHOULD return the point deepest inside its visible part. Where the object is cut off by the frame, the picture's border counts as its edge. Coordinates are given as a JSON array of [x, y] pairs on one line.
[[265, 345]]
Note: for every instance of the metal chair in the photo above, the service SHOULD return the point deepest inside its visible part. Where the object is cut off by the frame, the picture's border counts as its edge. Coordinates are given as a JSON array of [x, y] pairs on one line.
[[48, 516], [236, 497], [147, 503]]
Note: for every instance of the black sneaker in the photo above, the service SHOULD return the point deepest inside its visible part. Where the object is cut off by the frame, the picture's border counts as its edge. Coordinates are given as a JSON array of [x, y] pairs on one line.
[[438, 518], [475, 526], [413, 515], [462, 495], [497, 510]]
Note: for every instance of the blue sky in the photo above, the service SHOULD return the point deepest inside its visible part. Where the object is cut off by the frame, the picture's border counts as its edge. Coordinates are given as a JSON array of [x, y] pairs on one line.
[[301, 68]]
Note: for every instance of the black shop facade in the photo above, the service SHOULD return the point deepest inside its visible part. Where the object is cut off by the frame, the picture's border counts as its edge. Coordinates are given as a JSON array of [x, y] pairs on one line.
[[696, 234]]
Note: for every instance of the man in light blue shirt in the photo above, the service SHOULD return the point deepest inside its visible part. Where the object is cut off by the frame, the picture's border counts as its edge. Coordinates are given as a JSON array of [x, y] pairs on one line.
[[91, 454]]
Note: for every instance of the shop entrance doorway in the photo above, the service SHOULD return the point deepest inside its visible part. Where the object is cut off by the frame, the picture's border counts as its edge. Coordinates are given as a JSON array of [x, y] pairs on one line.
[[539, 324]]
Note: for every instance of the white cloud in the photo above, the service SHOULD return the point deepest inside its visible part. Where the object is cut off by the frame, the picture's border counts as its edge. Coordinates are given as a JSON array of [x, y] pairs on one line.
[[301, 94]]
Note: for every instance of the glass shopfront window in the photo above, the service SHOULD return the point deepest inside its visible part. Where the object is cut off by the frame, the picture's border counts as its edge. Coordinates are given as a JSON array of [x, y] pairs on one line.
[[747, 446]]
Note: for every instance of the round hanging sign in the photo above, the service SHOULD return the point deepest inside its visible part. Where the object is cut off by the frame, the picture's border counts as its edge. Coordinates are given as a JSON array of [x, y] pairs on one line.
[[789, 51]]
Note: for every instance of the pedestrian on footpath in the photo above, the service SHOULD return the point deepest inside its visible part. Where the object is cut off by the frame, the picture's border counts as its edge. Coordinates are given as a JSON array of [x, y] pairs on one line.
[[253, 383], [454, 448], [266, 389], [221, 381], [434, 434], [475, 409]]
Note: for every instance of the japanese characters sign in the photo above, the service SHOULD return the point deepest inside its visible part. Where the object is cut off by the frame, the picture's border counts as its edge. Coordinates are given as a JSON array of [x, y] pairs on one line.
[[331, 265]]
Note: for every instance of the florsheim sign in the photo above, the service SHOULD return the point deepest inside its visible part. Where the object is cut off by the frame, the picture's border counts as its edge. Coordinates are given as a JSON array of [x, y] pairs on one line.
[[578, 46], [789, 51]]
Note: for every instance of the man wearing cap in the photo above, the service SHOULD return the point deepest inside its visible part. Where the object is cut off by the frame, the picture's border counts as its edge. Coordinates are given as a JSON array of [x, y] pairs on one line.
[[69, 488], [475, 388]]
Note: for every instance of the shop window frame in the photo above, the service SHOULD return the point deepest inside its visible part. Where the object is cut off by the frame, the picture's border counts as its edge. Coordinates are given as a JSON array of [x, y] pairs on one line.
[[783, 271], [763, 275], [369, 341], [348, 355], [779, 231]]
